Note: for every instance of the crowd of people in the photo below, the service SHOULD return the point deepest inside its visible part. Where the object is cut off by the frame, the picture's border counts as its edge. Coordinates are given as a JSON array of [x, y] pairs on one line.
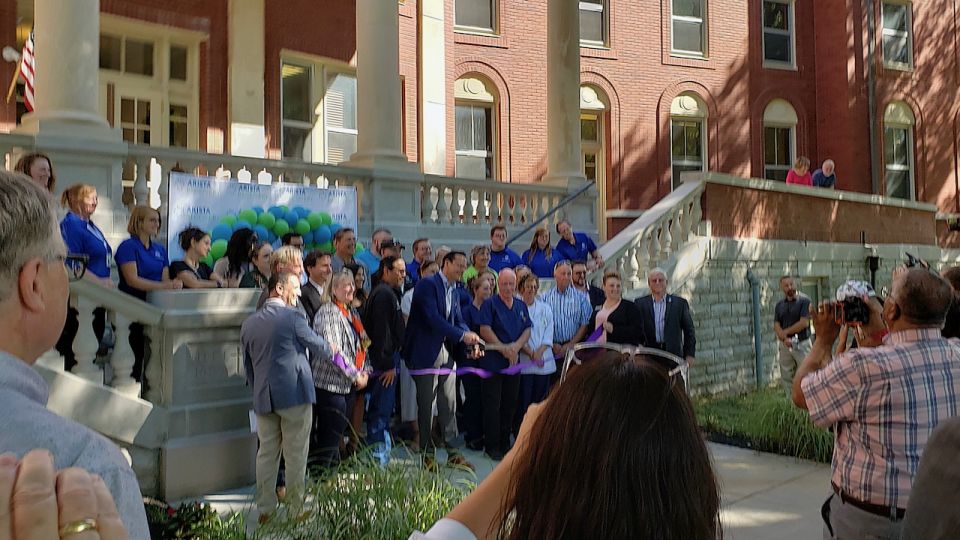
[[338, 338]]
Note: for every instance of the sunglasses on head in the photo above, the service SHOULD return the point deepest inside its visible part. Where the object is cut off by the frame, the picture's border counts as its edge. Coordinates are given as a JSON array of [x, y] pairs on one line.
[[584, 353]]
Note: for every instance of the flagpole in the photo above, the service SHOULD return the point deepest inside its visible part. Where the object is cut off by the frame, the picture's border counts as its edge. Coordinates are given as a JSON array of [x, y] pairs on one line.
[[13, 82]]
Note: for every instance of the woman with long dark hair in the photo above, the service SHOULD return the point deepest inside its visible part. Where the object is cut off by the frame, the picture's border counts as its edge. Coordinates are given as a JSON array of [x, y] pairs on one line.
[[238, 259], [614, 453], [40, 169], [258, 275], [619, 319], [191, 270]]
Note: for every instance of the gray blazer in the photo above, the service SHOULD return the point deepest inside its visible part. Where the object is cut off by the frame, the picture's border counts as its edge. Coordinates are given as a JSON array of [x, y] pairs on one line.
[[275, 343]]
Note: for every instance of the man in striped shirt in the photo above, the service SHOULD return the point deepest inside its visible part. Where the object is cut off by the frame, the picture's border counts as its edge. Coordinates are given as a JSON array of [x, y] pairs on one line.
[[571, 310], [883, 399]]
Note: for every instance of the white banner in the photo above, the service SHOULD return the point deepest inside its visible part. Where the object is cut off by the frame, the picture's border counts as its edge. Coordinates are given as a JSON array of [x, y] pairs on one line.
[[221, 207]]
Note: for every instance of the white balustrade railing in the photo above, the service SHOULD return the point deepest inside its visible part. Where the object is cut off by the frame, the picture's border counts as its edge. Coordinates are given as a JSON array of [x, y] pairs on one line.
[[467, 202], [653, 237], [122, 309], [12, 147]]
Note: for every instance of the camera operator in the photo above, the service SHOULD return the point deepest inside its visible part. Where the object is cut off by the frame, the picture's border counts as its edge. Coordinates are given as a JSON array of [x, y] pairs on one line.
[[884, 399]]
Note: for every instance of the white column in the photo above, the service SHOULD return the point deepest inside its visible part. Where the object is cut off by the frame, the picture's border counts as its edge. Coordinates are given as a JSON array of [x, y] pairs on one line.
[[85, 344], [379, 144], [122, 359], [67, 45], [433, 87], [246, 71], [563, 93]]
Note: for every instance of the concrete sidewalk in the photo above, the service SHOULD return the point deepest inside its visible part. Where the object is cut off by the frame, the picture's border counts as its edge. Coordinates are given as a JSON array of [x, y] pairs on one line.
[[764, 496]]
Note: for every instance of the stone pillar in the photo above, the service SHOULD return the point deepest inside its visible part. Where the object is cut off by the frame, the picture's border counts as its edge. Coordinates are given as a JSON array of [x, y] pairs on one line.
[[433, 87], [66, 84], [379, 142], [246, 71], [563, 93]]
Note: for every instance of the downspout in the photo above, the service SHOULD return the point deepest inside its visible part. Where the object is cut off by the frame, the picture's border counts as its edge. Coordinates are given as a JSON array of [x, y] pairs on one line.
[[872, 97], [757, 338]]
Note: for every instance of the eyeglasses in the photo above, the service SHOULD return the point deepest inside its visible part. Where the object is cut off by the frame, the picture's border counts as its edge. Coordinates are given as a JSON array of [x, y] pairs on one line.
[[583, 353], [76, 265]]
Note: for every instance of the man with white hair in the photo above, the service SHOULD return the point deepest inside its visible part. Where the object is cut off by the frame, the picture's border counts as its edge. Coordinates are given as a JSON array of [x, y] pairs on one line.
[[34, 274], [825, 176], [667, 323]]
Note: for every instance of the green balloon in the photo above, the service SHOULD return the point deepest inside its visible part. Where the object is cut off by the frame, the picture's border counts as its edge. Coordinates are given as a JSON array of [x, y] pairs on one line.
[[325, 219], [358, 248], [315, 220], [218, 249], [326, 247], [281, 227], [208, 260], [302, 227], [267, 220], [250, 216], [285, 208], [228, 219]]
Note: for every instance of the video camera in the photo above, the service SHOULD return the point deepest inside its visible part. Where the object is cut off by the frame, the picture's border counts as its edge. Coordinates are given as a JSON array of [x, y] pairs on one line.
[[851, 308], [912, 261]]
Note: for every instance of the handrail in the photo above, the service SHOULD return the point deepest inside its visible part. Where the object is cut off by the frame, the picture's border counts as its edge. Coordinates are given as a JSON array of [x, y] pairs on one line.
[[566, 200], [115, 300]]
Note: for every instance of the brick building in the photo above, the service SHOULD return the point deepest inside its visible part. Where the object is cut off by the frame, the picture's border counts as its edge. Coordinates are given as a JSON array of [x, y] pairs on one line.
[[734, 86]]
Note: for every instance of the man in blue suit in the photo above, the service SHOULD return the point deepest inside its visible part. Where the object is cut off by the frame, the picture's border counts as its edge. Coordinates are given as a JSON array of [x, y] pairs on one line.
[[275, 343], [435, 331]]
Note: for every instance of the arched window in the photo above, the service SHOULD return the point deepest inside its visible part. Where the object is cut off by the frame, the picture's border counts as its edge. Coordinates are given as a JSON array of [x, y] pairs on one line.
[[779, 139], [688, 141], [593, 106], [898, 122], [475, 101]]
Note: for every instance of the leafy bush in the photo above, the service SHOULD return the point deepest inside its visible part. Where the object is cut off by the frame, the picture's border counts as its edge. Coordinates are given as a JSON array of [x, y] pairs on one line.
[[358, 500], [765, 421]]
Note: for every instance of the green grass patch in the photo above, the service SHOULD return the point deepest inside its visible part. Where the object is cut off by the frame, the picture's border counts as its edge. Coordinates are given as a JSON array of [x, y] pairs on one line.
[[358, 501], [765, 420]]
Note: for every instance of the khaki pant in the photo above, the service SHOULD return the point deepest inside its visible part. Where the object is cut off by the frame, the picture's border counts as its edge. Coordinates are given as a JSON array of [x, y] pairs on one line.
[[790, 360], [288, 429]]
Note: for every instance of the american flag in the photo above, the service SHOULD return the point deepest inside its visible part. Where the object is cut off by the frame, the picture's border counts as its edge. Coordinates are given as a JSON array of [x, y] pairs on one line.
[[27, 66]]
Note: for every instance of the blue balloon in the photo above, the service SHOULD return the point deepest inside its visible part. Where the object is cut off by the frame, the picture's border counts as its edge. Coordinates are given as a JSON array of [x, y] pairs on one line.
[[292, 218], [276, 211], [258, 209], [334, 227], [262, 233], [322, 235], [302, 212], [241, 224], [271, 238], [308, 238], [221, 232]]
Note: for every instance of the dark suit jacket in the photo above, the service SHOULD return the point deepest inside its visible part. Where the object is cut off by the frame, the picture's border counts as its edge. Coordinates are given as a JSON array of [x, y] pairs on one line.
[[626, 324], [429, 326], [310, 300], [678, 332]]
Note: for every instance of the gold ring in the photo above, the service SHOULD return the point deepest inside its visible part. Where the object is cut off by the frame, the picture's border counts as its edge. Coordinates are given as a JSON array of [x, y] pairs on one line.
[[77, 527]]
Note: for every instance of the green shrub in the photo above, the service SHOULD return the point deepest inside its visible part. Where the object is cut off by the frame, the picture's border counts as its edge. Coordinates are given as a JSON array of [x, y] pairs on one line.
[[359, 500], [766, 421]]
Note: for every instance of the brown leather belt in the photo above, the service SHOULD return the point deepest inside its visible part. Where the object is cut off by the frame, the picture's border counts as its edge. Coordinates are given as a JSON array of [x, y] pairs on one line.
[[894, 514]]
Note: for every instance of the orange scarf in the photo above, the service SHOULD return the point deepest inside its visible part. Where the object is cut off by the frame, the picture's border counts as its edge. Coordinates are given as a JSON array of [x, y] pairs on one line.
[[358, 328]]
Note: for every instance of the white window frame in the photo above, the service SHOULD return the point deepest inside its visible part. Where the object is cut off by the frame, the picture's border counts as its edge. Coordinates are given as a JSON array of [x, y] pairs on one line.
[[791, 32], [909, 167], [793, 148], [884, 33], [604, 9], [701, 121], [703, 32], [494, 160], [595, 147], [494, 22], [318, 68]]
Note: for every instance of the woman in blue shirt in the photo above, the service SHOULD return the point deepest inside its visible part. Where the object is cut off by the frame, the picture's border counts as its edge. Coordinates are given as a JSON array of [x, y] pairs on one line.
[[471, 410], [143, 268], [83, 237], [541, 258]]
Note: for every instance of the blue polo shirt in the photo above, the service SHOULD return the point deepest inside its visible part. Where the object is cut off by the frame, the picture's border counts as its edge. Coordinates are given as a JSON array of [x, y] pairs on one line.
[[84, 237], [541, 265], [150, 261], [471, 316], [413, 271], [507, 258], [507, 324], [579, 251]]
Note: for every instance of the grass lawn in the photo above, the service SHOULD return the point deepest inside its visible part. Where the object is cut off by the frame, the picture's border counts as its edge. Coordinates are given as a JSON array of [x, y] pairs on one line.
[[765, 420]]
